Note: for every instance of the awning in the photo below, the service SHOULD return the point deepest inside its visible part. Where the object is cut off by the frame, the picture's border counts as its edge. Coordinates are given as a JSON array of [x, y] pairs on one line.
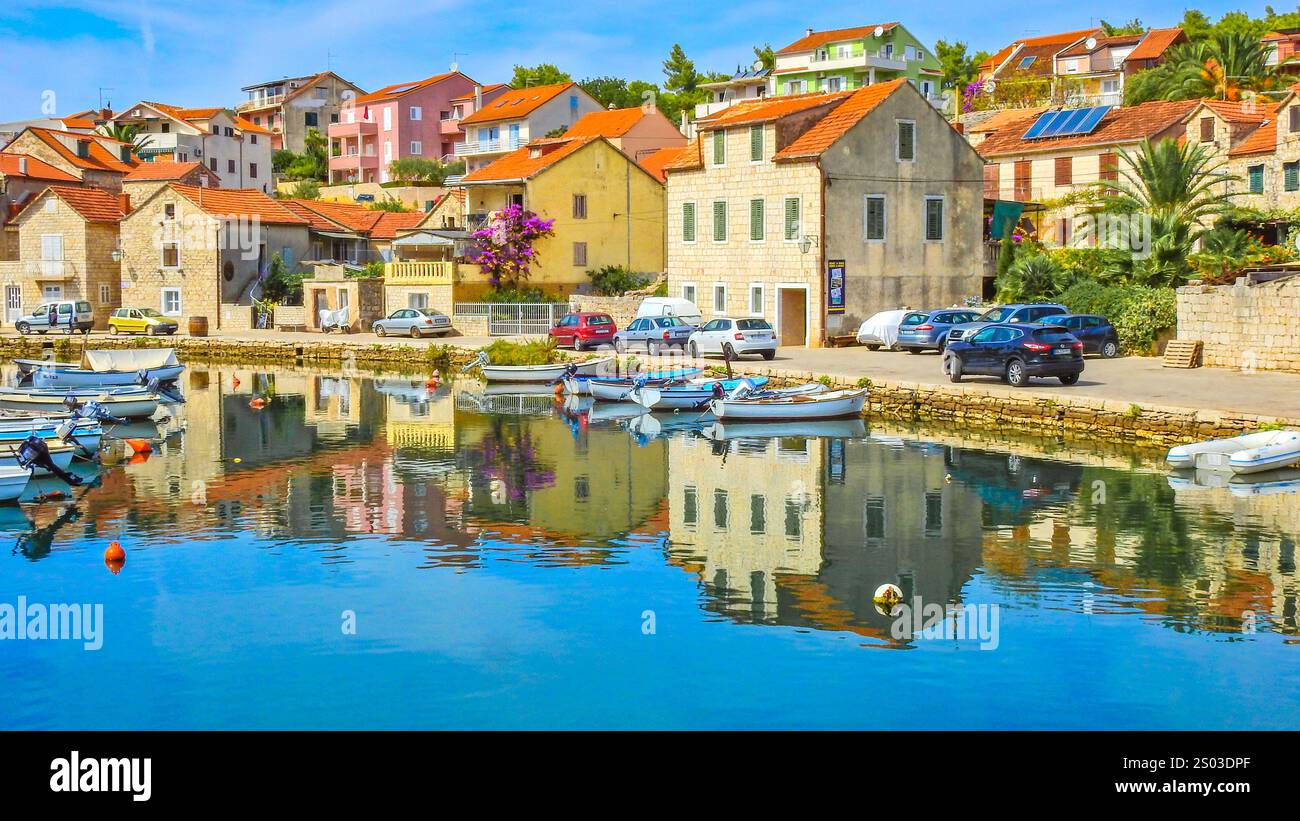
[[423, 238], [336, 235]]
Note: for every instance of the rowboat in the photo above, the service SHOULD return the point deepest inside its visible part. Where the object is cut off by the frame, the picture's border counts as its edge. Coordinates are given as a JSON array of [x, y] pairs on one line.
[[13, 481], [693, 395], [619, 386], [125, 403], [537, 373], [819, 405], [60, 454], [88, 433], [109, 368], [1249, 453], [846, 428]]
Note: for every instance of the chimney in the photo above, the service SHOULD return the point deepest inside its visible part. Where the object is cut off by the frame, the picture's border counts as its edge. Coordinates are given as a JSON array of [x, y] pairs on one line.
[[124, 203], [808, 32], [22, 165], [478, 96]]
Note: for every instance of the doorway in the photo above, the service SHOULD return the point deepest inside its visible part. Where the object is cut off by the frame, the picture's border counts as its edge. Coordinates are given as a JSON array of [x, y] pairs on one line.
[[13, 303], [792, 314]]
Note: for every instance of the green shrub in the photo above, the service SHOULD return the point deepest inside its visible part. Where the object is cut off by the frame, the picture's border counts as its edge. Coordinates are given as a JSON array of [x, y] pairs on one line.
[[615, 280], [505, 352], [1033, 278], [1139, 313], [514, 295]]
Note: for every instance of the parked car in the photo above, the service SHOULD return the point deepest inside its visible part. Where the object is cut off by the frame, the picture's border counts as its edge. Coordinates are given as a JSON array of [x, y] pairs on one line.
[[1095, 332], [734, 337], [928, 330], [1016, 353], [140, 321], [69, 315], [683, 309], [654, 334], [1010, 314], [413, 322], [584, 330], [364, 198], [881, 330]]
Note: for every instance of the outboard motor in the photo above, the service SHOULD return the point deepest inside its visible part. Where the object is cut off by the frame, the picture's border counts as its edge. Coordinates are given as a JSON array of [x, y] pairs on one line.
[[718, 391], [95, 410], [742, 390], [33, 453], [70, 402], [155, 386]]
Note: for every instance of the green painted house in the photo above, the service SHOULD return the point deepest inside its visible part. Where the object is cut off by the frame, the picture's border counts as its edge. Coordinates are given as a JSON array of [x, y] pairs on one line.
[[845, 59]]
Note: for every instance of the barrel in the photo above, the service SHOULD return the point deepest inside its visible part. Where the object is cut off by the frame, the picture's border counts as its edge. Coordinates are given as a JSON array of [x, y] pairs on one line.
[[198, 326]]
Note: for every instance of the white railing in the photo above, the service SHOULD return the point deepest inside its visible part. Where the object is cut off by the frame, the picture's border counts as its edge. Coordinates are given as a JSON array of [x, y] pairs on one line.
[[514, 318], [488, 146]]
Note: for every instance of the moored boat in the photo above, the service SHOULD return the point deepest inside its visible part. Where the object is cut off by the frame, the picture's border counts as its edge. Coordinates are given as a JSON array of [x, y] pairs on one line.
[[587, 385], [110, 368], [844, 428], [797, 406], [539, 373], [13, 481], [690, 395], [1248, 453], [125, 403], [60, 454], [88, 433]]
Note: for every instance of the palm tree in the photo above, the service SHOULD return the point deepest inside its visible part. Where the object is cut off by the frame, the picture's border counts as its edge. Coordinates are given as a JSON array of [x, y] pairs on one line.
[[1228, 66], [126, 133], [1168, 180]]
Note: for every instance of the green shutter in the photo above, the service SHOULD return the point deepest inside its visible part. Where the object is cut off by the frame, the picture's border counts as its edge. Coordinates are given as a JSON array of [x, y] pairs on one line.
[[756, 143], [1256, 174], [934, 219], [875, 221], [688, 222], [792, 218], [719, 221], [906, 141], [756, 219], [720, 147], [1291, 171]]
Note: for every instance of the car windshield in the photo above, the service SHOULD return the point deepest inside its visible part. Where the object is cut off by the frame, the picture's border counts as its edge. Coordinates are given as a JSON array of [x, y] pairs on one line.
[[753, 325], [599, 320], [149, 312], [915, 319], [669, 322], [996, 315]]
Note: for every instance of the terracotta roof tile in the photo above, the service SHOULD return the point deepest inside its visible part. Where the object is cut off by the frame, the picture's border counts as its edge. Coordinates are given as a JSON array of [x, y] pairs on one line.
[[392, 92], [820, 38], [517, 102], [655, 162], [1240, 111], [1120, 125], [1059, 41], [767, 109], [99, 158], [161, 170], [835, 124], [690, 158], [390, 222], [1155, 44], [315, 221], [1004, 118], [529, 161], [609, 123], [1262, 140], [94, 204], [36, 169], [238, 202], [352, 216], [244, 124]]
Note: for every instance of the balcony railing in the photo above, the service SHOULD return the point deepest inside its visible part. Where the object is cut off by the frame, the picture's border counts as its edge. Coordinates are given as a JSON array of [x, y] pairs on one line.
[[420, 273], [342, 162], [449, 127], [489, 146], [260, 102], [353, 129]]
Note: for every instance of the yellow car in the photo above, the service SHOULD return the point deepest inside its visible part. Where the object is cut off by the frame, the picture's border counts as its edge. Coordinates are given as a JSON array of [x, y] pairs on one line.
[[140, 321]]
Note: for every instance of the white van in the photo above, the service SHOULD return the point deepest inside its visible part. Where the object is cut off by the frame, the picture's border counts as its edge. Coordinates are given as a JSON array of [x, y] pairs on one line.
[[683, 309], [66, 315]]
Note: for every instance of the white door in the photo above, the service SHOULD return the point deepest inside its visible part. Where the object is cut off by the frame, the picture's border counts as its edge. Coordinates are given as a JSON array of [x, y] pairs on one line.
[[52, 293], [13, 303], [52, 255]]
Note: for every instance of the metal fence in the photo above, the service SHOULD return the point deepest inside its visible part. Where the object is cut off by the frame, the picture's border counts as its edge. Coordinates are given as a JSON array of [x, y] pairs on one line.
[[514, 318]]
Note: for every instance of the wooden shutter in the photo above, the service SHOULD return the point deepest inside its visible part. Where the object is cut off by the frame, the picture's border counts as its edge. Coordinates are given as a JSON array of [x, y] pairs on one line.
[[1024, 171], [756, 219], [1108, 167], [1064, 170], [792, 218], [875, 221], [688, 222], [719, 221], [934, 219], [756, 143], [1291, 175], [992, 181], [906, 140], [1294, 114], [1207, 129], [720, 147]]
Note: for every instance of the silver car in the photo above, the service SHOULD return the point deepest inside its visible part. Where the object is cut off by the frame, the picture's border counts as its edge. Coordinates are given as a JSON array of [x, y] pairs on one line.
[[412, 322], [653, 333]]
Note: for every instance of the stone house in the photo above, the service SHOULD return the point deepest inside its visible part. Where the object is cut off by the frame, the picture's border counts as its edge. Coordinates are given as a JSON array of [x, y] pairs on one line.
[[148, 177], [193, 251], [22, 178], [68, 249], [290, 107], [92, 158], [816, 211]]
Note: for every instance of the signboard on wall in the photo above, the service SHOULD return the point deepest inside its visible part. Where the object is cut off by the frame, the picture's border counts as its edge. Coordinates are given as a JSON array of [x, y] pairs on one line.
[[834, 286]]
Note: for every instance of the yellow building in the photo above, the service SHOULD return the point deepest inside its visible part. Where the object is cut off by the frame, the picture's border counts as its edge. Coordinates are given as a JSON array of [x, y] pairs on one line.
[[607, 209]]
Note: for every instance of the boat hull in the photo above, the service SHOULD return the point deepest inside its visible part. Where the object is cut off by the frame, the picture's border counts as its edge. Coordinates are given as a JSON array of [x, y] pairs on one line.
[[686, 397], [13, 481], [829, 405], [61, 455], [845, 428], [1240, 455], [126, 407], [80, 378], [540, 373]]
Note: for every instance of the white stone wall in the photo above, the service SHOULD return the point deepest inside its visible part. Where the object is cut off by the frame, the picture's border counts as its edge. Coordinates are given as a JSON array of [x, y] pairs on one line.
[[1247, 327]]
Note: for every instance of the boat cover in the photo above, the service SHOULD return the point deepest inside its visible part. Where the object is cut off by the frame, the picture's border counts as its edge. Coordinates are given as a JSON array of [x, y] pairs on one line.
[[129, 360]]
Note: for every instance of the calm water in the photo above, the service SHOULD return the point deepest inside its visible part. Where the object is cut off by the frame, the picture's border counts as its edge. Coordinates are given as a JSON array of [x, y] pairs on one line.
[[509, 565]]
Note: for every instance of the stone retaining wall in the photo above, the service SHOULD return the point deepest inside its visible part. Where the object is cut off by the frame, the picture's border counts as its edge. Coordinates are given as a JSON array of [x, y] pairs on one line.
[[621, 308], [1251, 327]]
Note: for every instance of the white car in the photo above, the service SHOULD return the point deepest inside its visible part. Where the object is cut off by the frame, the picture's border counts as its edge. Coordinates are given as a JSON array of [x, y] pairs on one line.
[[881, 330], [733, 337], [412, 322]]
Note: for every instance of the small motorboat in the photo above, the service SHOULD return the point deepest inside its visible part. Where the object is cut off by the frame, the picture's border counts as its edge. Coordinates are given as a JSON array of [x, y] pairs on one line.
[[606, 387], [60, 454], [821, 404], [109, 368], [690, 395], [1249, 453], [535, 373], [88, 433], [13, 481], [844, 428], [125, 403]]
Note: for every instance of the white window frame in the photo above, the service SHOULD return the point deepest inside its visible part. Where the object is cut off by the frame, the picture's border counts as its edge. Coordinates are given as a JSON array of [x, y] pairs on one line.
[[762, 298], [799, 226], [695, 213], [713, 303], [416, 113], [694, 289], [884, 221], [898, 143], [417, 148], [388, 118], [162, 301], [925, 217]]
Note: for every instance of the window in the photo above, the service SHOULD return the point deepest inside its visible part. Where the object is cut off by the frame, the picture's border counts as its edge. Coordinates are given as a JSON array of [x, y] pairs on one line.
[[873, 219], [933, 513], [171, 301], [1291, 176], [792, 208], [756, 220], [1026, 62], [388, 151], [105, 293], [757, 513], [719, 299], [719, 221], [1109, 167], [171, 255], [230, 166], [756, 299], [388, 119], [580, 206], [1293, 115], [720, 147], [169, 210], [1207, 129], [311, 119], [417, 148], [720, 511], [906, 141], [252, 170], [1255, 175], [416, 113], [793, 517], [756, 143], [688, 293], [252, 139], [579, 253], [688, 222], [212, 163], [934, 219], [1064, 170], [874, 517], [690, 506]]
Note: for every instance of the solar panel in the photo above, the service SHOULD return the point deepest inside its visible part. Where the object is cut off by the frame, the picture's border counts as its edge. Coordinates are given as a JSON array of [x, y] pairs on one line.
[[1053, 127], [1070, 122], [1090, 122], [1066, 122], [1036, 130]]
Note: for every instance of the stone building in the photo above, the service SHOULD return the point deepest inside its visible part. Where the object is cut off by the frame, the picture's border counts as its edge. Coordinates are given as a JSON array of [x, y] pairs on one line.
[[92, 158], [22, 178]]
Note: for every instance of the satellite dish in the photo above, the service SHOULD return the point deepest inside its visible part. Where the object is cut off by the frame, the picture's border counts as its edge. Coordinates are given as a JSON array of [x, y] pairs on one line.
[[758, 65], [455, 66], [1090, 43], [989, 86], [879, 31]]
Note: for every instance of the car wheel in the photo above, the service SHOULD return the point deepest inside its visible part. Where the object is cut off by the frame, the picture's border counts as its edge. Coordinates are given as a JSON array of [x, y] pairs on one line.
[[652, 348], [415, 332], [952, 367], [943, 346], [913, 350], [1110, 350], [112, 330], [769, 355], [873, 347], [728, 352], [695, 351], [620, 346], [1069, 379], [23, 328], [1016, 376], [379, 330]]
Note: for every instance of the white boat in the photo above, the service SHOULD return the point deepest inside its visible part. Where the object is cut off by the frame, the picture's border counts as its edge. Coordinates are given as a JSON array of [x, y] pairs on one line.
[[1267, 483], [13, 481], [848, 428], [60, 454], [110, 368], [1249, 453], [88, 433], [587, 385], [540, 373], [693, 395], [125, 403], [820, 405]]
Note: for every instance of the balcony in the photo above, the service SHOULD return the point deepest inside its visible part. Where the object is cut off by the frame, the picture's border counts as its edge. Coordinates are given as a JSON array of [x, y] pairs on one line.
[[489, 146], [421, 273], [257, 103], [857, 62], [360, 128], [349, 162], [449, 127]]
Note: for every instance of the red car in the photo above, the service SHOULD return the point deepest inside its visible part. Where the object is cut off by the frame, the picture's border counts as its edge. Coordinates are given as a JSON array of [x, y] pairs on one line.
[[584, 330]]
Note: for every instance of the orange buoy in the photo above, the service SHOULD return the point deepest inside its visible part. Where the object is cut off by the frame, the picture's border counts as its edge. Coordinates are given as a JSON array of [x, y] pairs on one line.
[[559, 390], [49, 495], [140, 445], [257, 403], [114, 553], [138, 459], [234, 381]]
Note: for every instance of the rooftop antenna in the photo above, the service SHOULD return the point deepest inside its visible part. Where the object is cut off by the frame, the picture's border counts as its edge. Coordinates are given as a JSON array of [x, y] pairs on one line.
[[101, 96], [455, 59]]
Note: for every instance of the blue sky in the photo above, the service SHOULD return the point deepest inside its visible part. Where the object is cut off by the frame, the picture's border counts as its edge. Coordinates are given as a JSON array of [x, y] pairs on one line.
[[199, 54]]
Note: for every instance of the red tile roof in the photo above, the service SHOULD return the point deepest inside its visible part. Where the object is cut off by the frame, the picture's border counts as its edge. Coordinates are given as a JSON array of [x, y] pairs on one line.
[[396, 90], [1053, 42], [315, 221], [690, 158], [1003, 118], [820, 38], [1156, 43], [1262, 141], [390, 222], [238, 202], [1081, 49], [1120, 125], [93, 204], [517, 102], [610, 123], [36, 169], [843, 117], [529, 161], [99, 158], [1245, 112], [655, 162], [245, 124], [767, 109], [161, 171], [350, 215]]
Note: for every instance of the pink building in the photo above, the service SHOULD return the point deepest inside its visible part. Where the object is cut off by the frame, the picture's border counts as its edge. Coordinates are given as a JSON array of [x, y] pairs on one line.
[[405, 120]]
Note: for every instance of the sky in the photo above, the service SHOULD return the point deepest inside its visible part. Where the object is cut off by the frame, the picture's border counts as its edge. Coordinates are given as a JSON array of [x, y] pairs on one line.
[[58, 55]]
